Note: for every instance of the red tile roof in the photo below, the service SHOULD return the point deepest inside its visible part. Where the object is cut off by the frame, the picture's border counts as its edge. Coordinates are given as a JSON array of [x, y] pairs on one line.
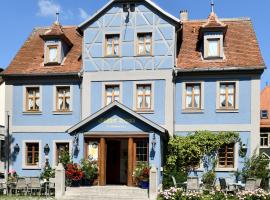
[[241, 47], [265, 105], [30, 58]]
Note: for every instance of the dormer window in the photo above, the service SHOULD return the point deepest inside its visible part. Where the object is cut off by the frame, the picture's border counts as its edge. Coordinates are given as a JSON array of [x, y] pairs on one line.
[[213, 46], [52, 54]]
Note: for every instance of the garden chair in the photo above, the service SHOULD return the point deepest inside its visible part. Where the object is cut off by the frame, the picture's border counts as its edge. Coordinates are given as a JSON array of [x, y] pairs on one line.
[[21, 186], [258, 183], [28, 183], [224, 187], [175, 183], [193, 184], [250, 184], [51, 185], [3, 186], [35, 185]]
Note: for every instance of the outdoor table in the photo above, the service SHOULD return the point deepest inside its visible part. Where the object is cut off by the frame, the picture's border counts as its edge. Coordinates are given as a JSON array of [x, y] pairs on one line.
[[237, 186]]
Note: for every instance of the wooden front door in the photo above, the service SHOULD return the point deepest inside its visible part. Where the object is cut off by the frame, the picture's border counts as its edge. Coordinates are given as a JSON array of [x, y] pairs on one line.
[[113, 162]]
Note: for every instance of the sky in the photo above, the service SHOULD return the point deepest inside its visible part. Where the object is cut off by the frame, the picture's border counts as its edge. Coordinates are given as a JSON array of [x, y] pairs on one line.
[[19, 17]]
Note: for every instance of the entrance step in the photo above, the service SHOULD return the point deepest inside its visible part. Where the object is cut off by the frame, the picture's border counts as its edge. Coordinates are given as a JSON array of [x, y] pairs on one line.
[[105, 193]]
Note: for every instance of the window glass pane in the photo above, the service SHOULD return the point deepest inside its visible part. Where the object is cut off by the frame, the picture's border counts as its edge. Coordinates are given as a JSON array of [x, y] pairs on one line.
[[148, 48], [148, 90], [109, 40], [37, 104], [109, 91], [196, 101], [109, 49], [213, 48], [231, 100], [231, 88], [188, 101], [141, 39], [148, 102], [197, 89], [116, 39], [222, 100], [139, 102], [109, 100], [148, 38], [189, 90], [141, 49], [116, 90], [116, 49], [52, 54], [222, 89], [140, 90]]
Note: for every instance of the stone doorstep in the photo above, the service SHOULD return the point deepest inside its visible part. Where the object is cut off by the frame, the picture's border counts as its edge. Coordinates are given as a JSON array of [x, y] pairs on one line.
[[106, 192]]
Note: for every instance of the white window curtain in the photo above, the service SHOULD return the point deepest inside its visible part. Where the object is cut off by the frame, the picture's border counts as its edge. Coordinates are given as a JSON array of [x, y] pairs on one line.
[[141, 45], [213, 48], [148, 44], [109, 46], [53, 54]]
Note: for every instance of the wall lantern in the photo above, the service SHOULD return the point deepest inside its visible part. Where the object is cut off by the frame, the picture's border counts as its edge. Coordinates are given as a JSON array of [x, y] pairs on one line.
[[243, 150], [154, 141], [46, 149], [16, 148]]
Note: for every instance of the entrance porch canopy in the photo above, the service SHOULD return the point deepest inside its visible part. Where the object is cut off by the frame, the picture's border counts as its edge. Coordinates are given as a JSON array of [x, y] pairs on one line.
[[116, 117]]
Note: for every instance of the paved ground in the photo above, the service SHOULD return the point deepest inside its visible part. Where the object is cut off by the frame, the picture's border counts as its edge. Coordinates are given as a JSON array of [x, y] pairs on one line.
[[25, 198]]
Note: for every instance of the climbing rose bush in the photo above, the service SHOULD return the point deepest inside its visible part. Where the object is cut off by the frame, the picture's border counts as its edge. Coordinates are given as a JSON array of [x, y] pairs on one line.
[[74, 172]]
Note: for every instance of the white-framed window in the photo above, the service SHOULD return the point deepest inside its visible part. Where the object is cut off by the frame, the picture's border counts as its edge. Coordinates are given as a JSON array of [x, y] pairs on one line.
[[227, 96], [112, 45], [32, 99], [264, 114], [112, 93], [143, 97], [63, 99], [264, 140], [213, 45], [31, 154], [193, 96], [144, 44], [52, 53], [59, 147]]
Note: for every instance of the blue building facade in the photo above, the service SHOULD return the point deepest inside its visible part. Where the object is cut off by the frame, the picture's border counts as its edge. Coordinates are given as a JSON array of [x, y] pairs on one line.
[[115, 88]]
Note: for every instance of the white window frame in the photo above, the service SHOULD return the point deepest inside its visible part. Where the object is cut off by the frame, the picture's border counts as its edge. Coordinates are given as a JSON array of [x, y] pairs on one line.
[[236, 106], [265, 147], [266, 113], [54, 100], [24, 166], [152, 83], [25, 110], [55, 148], [104, 84], [184, 109], [104, 43], [212, 36], [46, 53], [236, 158]]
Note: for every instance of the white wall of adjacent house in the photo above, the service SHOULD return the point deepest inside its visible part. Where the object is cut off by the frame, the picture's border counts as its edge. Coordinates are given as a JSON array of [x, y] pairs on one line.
[[2, 124]]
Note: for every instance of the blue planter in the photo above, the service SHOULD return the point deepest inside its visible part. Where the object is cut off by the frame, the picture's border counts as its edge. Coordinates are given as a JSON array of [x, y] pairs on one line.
[[144, 184]]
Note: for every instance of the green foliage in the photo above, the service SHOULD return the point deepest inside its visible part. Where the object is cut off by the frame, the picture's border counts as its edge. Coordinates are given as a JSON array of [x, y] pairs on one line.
[[256, 167], [90, 169], [65, 158], [208, 179], [184, 153], [179, 176], [47, 172]]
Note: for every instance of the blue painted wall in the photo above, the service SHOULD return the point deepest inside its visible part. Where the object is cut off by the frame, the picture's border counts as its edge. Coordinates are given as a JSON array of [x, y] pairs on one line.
[[47, 117], [114, 20], [45, 138], [210, 116], [127, 98]]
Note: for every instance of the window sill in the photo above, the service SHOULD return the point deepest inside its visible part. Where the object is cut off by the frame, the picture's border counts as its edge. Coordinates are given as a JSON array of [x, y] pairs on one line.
[[112, 56], [214, 58], [191, 111], [264, 147], [227, 110], [52, 63], [32, 113], [145, 111], [225, 169], [32, 167], [144, 55], [62, 113]]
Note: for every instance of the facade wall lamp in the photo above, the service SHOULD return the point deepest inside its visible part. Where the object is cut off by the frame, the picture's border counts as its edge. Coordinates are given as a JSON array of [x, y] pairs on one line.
[[154, 141], [17, 148], [46, 149]]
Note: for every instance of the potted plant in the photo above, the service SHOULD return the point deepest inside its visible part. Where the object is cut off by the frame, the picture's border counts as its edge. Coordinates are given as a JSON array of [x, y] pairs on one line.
[[12, 176], [208, 179], [141, 175], [47, 173], [74, 174], [90, 171]]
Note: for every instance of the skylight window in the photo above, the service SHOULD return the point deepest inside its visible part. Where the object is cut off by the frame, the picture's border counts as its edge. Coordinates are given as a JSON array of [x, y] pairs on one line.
[[264, 114]]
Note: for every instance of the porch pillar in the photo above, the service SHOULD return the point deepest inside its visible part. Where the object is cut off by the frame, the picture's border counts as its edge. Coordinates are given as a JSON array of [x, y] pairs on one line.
[[130, 161], [102, 162]]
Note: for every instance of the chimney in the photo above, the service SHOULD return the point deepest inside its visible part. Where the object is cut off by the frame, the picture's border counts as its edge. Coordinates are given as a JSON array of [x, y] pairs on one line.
[[183, 15]]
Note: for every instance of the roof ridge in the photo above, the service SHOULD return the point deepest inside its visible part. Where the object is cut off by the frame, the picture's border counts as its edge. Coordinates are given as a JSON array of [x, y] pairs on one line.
[[222, 19], [48, 27]]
